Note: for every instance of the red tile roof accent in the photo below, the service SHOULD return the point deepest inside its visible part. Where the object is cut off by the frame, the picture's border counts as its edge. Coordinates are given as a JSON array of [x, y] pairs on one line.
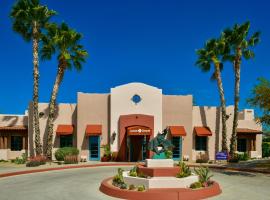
[[202, 131], [93, 129], [177, 130], [64, 129], [12, 128], [247, 130]]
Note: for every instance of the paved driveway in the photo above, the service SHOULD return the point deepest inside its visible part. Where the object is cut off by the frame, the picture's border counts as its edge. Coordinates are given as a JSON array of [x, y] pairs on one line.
[[83, 184]]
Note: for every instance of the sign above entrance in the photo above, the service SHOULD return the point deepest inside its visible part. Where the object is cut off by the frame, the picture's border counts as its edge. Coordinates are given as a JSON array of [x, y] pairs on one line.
[[138, 130]]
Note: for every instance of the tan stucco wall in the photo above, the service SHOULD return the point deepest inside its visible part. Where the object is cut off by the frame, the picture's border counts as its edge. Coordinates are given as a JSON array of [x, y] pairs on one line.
[[177, 110], [12, 120], [92, 109], [121, 104], [211, 117], [65, 114]]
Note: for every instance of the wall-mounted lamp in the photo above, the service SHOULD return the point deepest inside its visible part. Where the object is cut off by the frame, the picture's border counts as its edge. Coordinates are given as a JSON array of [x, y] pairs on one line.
[[113, 137]]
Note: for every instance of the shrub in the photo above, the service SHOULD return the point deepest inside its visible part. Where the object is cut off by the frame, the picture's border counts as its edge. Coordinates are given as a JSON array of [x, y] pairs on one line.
[[71, 159], [266, 149], [141, 188], [234, 159], [123, 186], [204, 175], [65, 151], [202, 160], [196, 185], [184, 170], [20, 160], [107, 150], [132, 187], [1, 160], [243, 157], [33, 163], [141, 175], [169, 154]]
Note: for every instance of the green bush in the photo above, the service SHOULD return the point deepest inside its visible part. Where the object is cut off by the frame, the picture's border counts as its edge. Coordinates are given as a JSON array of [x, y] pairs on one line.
[[184, 170], [65, 151], [123, 186], [141, 175], [20, 160], [266, 149], [204, 175], [107, 150], [196, 185], [141, 188]]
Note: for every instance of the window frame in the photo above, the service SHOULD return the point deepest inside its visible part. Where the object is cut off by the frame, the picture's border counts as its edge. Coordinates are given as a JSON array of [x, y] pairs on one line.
[[16, 145], [201, 143], [64, 141]]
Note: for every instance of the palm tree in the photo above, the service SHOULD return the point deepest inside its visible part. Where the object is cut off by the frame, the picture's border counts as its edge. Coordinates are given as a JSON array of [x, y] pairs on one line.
[[29, 19], [64, 41], [212, 54], [240, 46]]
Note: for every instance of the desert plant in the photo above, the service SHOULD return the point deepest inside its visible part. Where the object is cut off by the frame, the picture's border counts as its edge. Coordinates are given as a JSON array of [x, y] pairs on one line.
[[118, 179], [133, 171], [65, 151], [107, 150], [168, 154], [141, 188], [184, 170], [204, 175], [131, 187], [123, 186], [196, 185]]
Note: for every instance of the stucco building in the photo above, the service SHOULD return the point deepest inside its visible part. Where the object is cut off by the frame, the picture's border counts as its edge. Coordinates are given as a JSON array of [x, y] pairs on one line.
[[126, 119]]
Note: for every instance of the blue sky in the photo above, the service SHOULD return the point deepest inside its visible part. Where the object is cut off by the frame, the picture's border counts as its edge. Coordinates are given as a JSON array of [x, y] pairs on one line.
[[153, 42]]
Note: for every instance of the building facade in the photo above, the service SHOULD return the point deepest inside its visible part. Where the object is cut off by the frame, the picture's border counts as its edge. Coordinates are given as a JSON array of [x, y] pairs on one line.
[[126, 119]]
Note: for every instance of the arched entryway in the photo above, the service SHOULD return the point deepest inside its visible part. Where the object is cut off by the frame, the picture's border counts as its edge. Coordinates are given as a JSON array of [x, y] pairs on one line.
[[134, 129], [137, 140]]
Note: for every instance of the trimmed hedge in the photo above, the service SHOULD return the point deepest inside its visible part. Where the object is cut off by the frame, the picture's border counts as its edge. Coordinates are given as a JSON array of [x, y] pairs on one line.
[[61, 153]]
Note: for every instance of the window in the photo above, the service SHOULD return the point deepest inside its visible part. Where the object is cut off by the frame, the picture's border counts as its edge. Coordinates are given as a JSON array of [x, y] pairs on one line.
[[201, 143], [242, 145], [66, 141], [16, 143], [177, 150]]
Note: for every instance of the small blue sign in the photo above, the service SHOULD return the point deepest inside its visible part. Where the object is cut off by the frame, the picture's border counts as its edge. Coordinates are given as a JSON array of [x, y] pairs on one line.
[[221, 156]]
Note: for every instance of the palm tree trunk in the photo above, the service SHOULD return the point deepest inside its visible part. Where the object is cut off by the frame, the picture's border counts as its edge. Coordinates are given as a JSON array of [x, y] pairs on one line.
[[35, 91], [237, 63], [52, 108], [223, 108]]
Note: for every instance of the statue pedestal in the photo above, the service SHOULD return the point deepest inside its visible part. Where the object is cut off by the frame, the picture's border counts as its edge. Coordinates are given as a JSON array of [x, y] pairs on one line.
[[159, 162]]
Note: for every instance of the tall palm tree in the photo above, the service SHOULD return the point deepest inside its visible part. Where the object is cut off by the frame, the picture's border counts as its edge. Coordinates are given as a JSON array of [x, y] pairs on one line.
[[64, 41], [212, 54], [240, 46], [29, 19]]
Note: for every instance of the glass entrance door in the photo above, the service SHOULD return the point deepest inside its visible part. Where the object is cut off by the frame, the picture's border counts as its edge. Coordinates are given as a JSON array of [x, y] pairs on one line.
[[177, 150], [94, 147]]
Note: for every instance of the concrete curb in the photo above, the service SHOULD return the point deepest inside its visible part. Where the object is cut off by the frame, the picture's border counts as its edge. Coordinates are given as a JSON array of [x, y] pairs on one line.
[[8, 174], [62, 168]]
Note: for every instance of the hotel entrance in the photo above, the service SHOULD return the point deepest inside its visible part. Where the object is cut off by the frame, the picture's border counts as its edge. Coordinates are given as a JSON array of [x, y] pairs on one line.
[[137, 140]]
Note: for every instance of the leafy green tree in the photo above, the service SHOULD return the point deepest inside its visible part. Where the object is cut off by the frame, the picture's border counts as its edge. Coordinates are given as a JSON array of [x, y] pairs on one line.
[[63, 41], [29, 19], [240, 46], [212, 55], [260, 98]]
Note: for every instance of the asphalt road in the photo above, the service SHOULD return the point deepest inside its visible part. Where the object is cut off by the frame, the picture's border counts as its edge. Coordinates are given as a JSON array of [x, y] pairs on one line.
[[83, 184]]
